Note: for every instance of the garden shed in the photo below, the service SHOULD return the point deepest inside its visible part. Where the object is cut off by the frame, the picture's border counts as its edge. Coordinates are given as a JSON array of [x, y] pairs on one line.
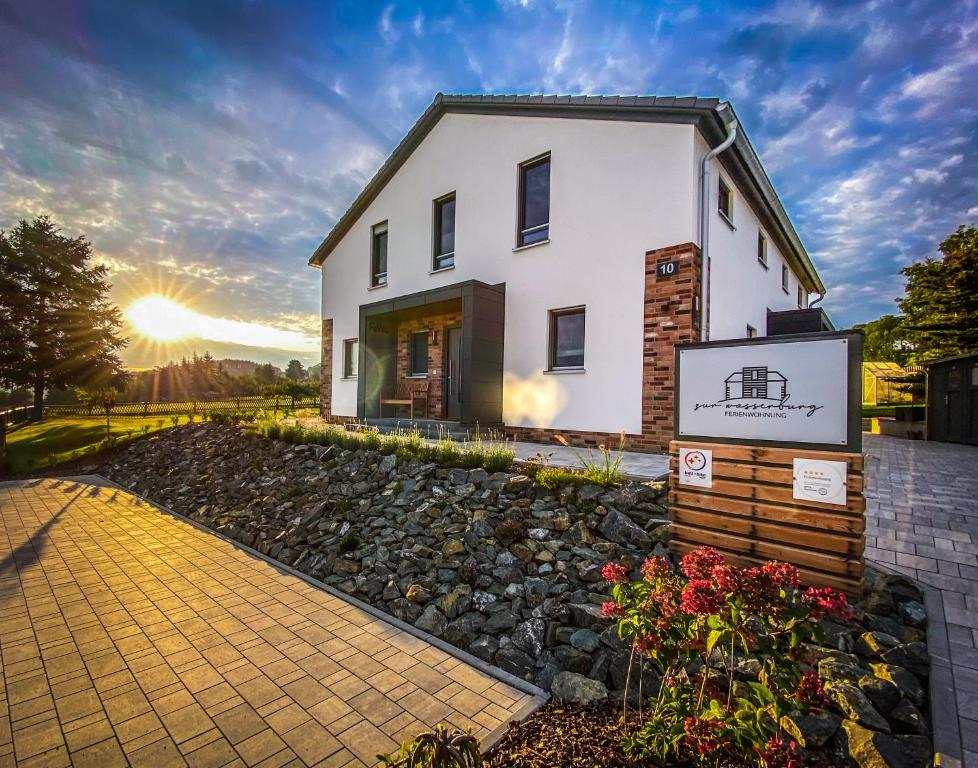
[[952, 399]]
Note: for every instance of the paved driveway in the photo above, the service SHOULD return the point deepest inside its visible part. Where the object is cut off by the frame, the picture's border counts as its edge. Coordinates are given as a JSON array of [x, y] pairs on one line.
[[922, 520], [128, 636]]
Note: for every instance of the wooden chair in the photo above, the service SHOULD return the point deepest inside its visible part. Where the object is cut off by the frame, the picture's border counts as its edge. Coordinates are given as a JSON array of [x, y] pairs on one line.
[[408, 391]]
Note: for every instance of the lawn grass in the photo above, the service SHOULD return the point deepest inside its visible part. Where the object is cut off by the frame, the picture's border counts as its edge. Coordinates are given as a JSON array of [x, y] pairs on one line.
[[41, 444]]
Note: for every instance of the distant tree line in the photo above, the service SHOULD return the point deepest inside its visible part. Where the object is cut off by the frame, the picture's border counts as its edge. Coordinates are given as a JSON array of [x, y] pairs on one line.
[[939, 313]]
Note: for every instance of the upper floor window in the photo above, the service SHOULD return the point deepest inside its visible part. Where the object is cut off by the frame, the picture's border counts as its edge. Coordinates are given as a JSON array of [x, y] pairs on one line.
[[418, 353], [378, 254], [351, 358], [725, 202], [801, 297], [784, 277], [751, 332], [566, 339], [534, 225], [444, 234], [761, 248]]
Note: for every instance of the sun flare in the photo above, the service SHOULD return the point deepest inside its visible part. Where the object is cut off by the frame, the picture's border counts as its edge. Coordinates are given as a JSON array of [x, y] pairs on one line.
[[165, 320]]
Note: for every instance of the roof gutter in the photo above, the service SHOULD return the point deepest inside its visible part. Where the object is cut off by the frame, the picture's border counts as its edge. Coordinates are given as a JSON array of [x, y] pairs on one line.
[[705, 166]]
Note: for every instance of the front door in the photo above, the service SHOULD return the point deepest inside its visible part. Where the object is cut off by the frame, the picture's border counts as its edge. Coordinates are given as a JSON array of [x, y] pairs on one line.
[[453, 374]]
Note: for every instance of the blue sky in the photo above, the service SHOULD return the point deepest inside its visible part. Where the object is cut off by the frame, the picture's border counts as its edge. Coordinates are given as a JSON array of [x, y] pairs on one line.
[[207, 147]]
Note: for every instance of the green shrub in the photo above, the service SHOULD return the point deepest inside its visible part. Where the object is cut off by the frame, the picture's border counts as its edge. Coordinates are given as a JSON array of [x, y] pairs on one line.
[[349, 543], [554, 478], [605, 469]]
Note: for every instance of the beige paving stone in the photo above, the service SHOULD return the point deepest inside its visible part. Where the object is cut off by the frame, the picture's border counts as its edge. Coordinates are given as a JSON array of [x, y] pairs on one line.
[[133, 637]]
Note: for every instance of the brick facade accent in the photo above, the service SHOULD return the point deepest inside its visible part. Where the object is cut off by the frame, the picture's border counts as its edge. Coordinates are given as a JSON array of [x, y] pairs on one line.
[[672, 315], [437, 355], [326, 371]]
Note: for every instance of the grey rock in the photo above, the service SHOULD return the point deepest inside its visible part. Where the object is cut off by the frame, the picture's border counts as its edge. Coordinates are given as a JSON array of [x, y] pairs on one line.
[[516, 662], [572, 688], [906, 718], [501, 621], [432, 621], [871, 644], [812, 730], [869, 749], [585, 640], [617, 527], [908, 684], [528, 636], [913, 613], [883, 694], [484, 647], [911, 656], [854, 705]]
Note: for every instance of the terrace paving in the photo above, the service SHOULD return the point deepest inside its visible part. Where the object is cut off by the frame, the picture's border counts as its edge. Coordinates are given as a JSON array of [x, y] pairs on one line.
[[129, 636], [922, 521]]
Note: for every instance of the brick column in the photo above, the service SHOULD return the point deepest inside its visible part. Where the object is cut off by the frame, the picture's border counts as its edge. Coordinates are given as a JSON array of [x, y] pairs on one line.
[[672, 315], [326, 371]]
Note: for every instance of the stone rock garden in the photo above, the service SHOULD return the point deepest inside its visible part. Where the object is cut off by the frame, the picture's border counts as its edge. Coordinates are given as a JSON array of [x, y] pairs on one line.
[[515, 571]]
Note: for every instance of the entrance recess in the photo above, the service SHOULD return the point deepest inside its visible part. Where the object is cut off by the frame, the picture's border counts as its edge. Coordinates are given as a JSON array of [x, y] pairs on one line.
[[451, 338]]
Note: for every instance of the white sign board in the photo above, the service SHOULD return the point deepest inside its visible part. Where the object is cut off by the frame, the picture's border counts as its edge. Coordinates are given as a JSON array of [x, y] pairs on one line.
[[794, 392], [696, 467], [823, 481]]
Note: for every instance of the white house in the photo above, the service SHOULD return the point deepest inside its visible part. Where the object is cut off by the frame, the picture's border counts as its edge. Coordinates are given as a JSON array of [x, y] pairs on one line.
[[529, 262]]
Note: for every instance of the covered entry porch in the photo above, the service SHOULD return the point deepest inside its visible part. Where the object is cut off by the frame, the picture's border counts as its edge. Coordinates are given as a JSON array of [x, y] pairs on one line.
[[434, 355]]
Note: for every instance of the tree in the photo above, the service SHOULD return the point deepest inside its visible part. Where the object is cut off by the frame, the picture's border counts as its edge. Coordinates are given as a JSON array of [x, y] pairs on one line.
[[294, 371], [105, 397], [940, 310], [57, 326], [266, 373], [883, 340]]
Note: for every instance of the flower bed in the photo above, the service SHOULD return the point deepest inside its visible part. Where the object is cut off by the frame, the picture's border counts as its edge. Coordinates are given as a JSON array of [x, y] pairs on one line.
[[750, 668]]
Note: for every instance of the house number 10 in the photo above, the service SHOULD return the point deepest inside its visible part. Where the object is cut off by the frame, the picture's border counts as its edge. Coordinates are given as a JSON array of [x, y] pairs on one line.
[[667, 268]]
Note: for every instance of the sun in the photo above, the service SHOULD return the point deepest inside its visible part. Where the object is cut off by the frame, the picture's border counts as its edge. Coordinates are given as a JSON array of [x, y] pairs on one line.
[[162, 319]]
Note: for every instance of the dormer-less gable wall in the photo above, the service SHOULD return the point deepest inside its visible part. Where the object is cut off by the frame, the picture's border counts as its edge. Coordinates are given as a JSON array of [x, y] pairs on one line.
[[618, 189]]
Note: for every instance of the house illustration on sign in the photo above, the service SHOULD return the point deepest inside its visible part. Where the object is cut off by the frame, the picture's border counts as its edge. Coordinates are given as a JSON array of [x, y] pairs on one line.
[[755, 382]]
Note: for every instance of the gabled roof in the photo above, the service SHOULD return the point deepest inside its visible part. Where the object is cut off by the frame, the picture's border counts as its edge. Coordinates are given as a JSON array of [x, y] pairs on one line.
[[705, 113]]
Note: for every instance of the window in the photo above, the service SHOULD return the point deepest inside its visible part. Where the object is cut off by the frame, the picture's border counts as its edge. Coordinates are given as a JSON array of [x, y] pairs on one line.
[[419, 353], [534, 202], [801, 297], [566, 339], [751, 332], [725, 202], [444, 235], [761, 248], [378, 255], [784, 277], [351, 358]]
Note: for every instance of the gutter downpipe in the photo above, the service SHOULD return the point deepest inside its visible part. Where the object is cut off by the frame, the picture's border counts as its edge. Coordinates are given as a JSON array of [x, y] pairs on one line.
[[731, 128]]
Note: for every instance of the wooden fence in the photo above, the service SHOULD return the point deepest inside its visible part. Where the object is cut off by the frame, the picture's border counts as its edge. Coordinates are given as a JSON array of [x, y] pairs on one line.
[[245, 404], [750, 515]]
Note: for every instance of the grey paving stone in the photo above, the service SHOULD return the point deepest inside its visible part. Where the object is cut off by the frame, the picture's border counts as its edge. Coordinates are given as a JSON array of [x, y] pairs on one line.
[[922, 520]]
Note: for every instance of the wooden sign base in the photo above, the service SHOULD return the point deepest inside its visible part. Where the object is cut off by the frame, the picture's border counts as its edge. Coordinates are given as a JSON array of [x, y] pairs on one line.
[[750, 515]]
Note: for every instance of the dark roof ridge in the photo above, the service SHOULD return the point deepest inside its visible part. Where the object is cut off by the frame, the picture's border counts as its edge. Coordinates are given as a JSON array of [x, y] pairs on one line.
[[704, 113]]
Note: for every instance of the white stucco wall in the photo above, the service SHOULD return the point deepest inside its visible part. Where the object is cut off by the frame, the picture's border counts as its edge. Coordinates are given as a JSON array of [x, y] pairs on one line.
[[741, 289], [618, 189]]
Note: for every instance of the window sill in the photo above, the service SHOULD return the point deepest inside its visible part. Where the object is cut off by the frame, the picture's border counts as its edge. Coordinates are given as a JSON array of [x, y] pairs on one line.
[[417, 376], [440, 270], [726, 220], [377, 287], [786, 291], [348, 378], [519, 248], [554, 371], [763, 264]]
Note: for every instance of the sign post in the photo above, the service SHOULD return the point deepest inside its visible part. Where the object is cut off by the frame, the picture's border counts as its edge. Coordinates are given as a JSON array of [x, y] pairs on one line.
[[767, 453]]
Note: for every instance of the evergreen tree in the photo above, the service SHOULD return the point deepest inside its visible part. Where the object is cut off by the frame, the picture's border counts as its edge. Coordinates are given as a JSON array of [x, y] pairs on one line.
[[57, 326], [295, 371], [940, 310]]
